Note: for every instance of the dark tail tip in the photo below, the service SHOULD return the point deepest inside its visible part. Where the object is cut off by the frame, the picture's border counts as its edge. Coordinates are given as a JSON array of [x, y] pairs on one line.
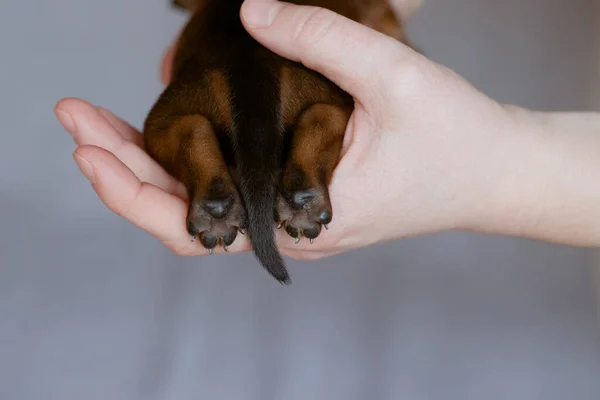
[[282, 276], [258, 199], [265, 249], [277, 271], [284, 280]]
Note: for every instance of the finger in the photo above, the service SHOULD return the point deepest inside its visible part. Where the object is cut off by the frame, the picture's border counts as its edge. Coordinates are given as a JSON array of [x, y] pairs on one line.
[[350, 54], [90, 127], [127, 131], [307, 254], [167, 65], [146, 206]]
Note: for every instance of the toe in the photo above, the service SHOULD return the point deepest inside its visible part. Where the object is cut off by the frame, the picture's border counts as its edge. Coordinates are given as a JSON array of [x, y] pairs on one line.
[[209, 240], [312, 231], [325, 217], [229, 237], [292, 231]]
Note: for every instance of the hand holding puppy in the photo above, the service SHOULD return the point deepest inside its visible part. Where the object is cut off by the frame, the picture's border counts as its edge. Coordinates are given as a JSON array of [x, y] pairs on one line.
[[424, 151]]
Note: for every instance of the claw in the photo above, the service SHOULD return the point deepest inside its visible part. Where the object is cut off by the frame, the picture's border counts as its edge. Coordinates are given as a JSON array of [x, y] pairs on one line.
[[226, 249], [325, 226], [311, 241], [298, 239], [210, 252], [280, 225], [193, 239], [241, 231]]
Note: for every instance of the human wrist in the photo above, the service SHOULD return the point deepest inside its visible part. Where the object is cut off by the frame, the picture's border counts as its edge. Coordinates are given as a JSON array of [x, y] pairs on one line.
[[504, 203], [540, 179]]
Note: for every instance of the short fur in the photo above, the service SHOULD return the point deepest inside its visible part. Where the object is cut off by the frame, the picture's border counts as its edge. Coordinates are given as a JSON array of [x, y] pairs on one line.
[[255, 138]]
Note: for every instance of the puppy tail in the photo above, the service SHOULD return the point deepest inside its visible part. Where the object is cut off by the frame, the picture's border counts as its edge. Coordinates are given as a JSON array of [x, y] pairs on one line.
[[259, 196], [258, 143]]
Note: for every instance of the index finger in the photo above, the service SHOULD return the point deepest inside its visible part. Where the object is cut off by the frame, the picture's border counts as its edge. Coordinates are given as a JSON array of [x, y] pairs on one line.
[[146, 206]]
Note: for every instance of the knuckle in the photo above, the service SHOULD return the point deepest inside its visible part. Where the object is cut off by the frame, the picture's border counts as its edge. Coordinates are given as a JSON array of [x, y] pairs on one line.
[[407, 77], [123, 206], [118, 207], [314, 27]]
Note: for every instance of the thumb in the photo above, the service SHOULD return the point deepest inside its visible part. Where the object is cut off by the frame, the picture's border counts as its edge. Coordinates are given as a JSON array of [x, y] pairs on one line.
[[356, 58]]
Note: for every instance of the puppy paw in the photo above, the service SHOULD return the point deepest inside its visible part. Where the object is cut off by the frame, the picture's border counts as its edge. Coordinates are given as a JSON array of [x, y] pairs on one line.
[[304, 212], [216, 220]]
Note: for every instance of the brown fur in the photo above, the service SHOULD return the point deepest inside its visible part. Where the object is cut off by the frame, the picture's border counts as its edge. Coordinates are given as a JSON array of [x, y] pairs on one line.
[[199, 129]]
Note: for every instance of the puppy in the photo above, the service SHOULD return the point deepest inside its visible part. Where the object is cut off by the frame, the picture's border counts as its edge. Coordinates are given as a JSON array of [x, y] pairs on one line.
[[254, 137]]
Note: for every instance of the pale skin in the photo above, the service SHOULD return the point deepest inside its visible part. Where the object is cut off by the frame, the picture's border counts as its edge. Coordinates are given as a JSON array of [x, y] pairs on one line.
[[424, 152]]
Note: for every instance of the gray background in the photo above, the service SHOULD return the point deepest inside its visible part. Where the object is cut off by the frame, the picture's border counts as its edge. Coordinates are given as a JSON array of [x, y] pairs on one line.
[[92, 308]]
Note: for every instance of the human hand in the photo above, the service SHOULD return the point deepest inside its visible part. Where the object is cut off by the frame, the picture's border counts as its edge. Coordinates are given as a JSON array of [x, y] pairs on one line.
[[424, 150], [417, 141], [427, 152], [401, 172]]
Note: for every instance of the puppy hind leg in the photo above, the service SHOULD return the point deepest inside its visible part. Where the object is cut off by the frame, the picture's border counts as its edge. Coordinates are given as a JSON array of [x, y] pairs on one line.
[[215, 213], [303, 205]]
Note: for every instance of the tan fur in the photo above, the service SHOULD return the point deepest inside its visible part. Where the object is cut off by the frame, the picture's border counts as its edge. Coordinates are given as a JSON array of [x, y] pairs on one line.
[[191, 130]]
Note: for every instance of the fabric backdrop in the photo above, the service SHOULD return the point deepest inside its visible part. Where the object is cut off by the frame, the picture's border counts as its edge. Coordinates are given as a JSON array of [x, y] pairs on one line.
[[92, 308]]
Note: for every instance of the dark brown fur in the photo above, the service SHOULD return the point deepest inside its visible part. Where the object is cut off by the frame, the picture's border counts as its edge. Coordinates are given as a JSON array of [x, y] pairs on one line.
[[254, 138]]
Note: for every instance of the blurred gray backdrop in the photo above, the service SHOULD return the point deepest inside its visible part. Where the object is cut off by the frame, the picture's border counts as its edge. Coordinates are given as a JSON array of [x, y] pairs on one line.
[[92, 308]]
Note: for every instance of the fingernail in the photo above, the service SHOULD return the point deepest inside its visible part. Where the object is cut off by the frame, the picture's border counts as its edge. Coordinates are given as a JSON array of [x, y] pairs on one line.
[[86, 168], [260, 13], [66, 120]]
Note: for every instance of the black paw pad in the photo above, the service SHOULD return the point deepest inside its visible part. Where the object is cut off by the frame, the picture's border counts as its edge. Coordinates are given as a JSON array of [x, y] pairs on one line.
[[218, 208], [302, 198]]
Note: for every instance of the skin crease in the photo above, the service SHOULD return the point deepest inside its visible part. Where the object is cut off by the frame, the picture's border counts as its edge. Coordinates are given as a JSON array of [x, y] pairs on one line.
[[414, 161]]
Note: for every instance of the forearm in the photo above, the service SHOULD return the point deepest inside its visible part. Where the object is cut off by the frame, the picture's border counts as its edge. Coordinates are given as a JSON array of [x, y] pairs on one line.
[[545, 179]]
